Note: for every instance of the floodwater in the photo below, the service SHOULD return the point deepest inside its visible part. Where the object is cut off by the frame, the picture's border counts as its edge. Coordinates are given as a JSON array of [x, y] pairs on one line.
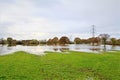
[[40, 49]]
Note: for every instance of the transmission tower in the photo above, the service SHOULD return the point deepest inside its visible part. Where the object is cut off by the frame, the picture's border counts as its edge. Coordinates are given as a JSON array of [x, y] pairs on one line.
[[93, 35], [93, 31]]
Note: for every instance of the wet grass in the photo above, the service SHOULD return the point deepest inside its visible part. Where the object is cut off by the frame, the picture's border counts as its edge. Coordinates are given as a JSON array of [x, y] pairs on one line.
[[57, 66]]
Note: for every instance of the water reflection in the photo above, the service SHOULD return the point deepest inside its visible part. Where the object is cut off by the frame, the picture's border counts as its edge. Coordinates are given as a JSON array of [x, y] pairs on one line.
[[60, 49], [95, 49], [113, 47], [55, 49], [40, 49], [11, 45], [104, 49], [64, 49]]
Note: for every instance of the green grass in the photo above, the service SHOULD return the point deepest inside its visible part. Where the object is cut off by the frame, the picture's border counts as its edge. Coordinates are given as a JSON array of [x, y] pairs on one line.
[[57, 66]]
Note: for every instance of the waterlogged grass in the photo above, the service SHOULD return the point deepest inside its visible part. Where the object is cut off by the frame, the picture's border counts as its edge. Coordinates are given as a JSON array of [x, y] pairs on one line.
[[57, 66]]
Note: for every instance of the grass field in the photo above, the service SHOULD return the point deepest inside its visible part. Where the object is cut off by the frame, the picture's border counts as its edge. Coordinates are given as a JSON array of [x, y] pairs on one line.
[[56, 66]]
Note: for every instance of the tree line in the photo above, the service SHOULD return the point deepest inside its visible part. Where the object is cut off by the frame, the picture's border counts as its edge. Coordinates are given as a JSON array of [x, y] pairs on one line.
[[101, 39]]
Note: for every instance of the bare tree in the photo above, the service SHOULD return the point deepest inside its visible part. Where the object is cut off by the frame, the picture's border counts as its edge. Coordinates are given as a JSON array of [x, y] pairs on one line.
[[104, 38]]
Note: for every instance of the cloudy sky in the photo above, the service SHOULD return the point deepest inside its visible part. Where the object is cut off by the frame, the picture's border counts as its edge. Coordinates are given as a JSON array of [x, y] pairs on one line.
[[41, 19]]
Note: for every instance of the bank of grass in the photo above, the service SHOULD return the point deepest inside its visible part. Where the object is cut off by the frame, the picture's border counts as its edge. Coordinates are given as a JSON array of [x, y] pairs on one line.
[[57, 66]]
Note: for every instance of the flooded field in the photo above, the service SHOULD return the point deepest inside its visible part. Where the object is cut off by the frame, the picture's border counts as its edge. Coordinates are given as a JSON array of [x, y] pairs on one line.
[[40, 49]]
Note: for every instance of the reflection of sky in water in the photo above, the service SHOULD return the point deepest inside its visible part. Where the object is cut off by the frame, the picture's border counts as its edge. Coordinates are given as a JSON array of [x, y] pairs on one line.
[[39, 50]]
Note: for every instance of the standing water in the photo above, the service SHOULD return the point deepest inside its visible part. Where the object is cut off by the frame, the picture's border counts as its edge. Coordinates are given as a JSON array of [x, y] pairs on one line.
[[40, 49]]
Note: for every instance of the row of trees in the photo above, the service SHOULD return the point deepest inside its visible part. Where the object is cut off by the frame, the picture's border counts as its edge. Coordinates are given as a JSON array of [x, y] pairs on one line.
[[12, 41], [55, 41], [101, 39]]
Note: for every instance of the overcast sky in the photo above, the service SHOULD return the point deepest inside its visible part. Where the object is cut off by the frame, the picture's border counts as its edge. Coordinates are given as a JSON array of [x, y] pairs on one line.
[[41, 19]]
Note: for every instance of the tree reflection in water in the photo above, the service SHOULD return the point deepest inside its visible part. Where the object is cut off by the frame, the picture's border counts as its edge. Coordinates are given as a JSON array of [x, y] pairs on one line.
[[64, 49], [61, 49]]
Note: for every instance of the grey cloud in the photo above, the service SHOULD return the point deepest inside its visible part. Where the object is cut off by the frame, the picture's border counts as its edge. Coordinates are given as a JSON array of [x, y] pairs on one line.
[[60, 16]]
